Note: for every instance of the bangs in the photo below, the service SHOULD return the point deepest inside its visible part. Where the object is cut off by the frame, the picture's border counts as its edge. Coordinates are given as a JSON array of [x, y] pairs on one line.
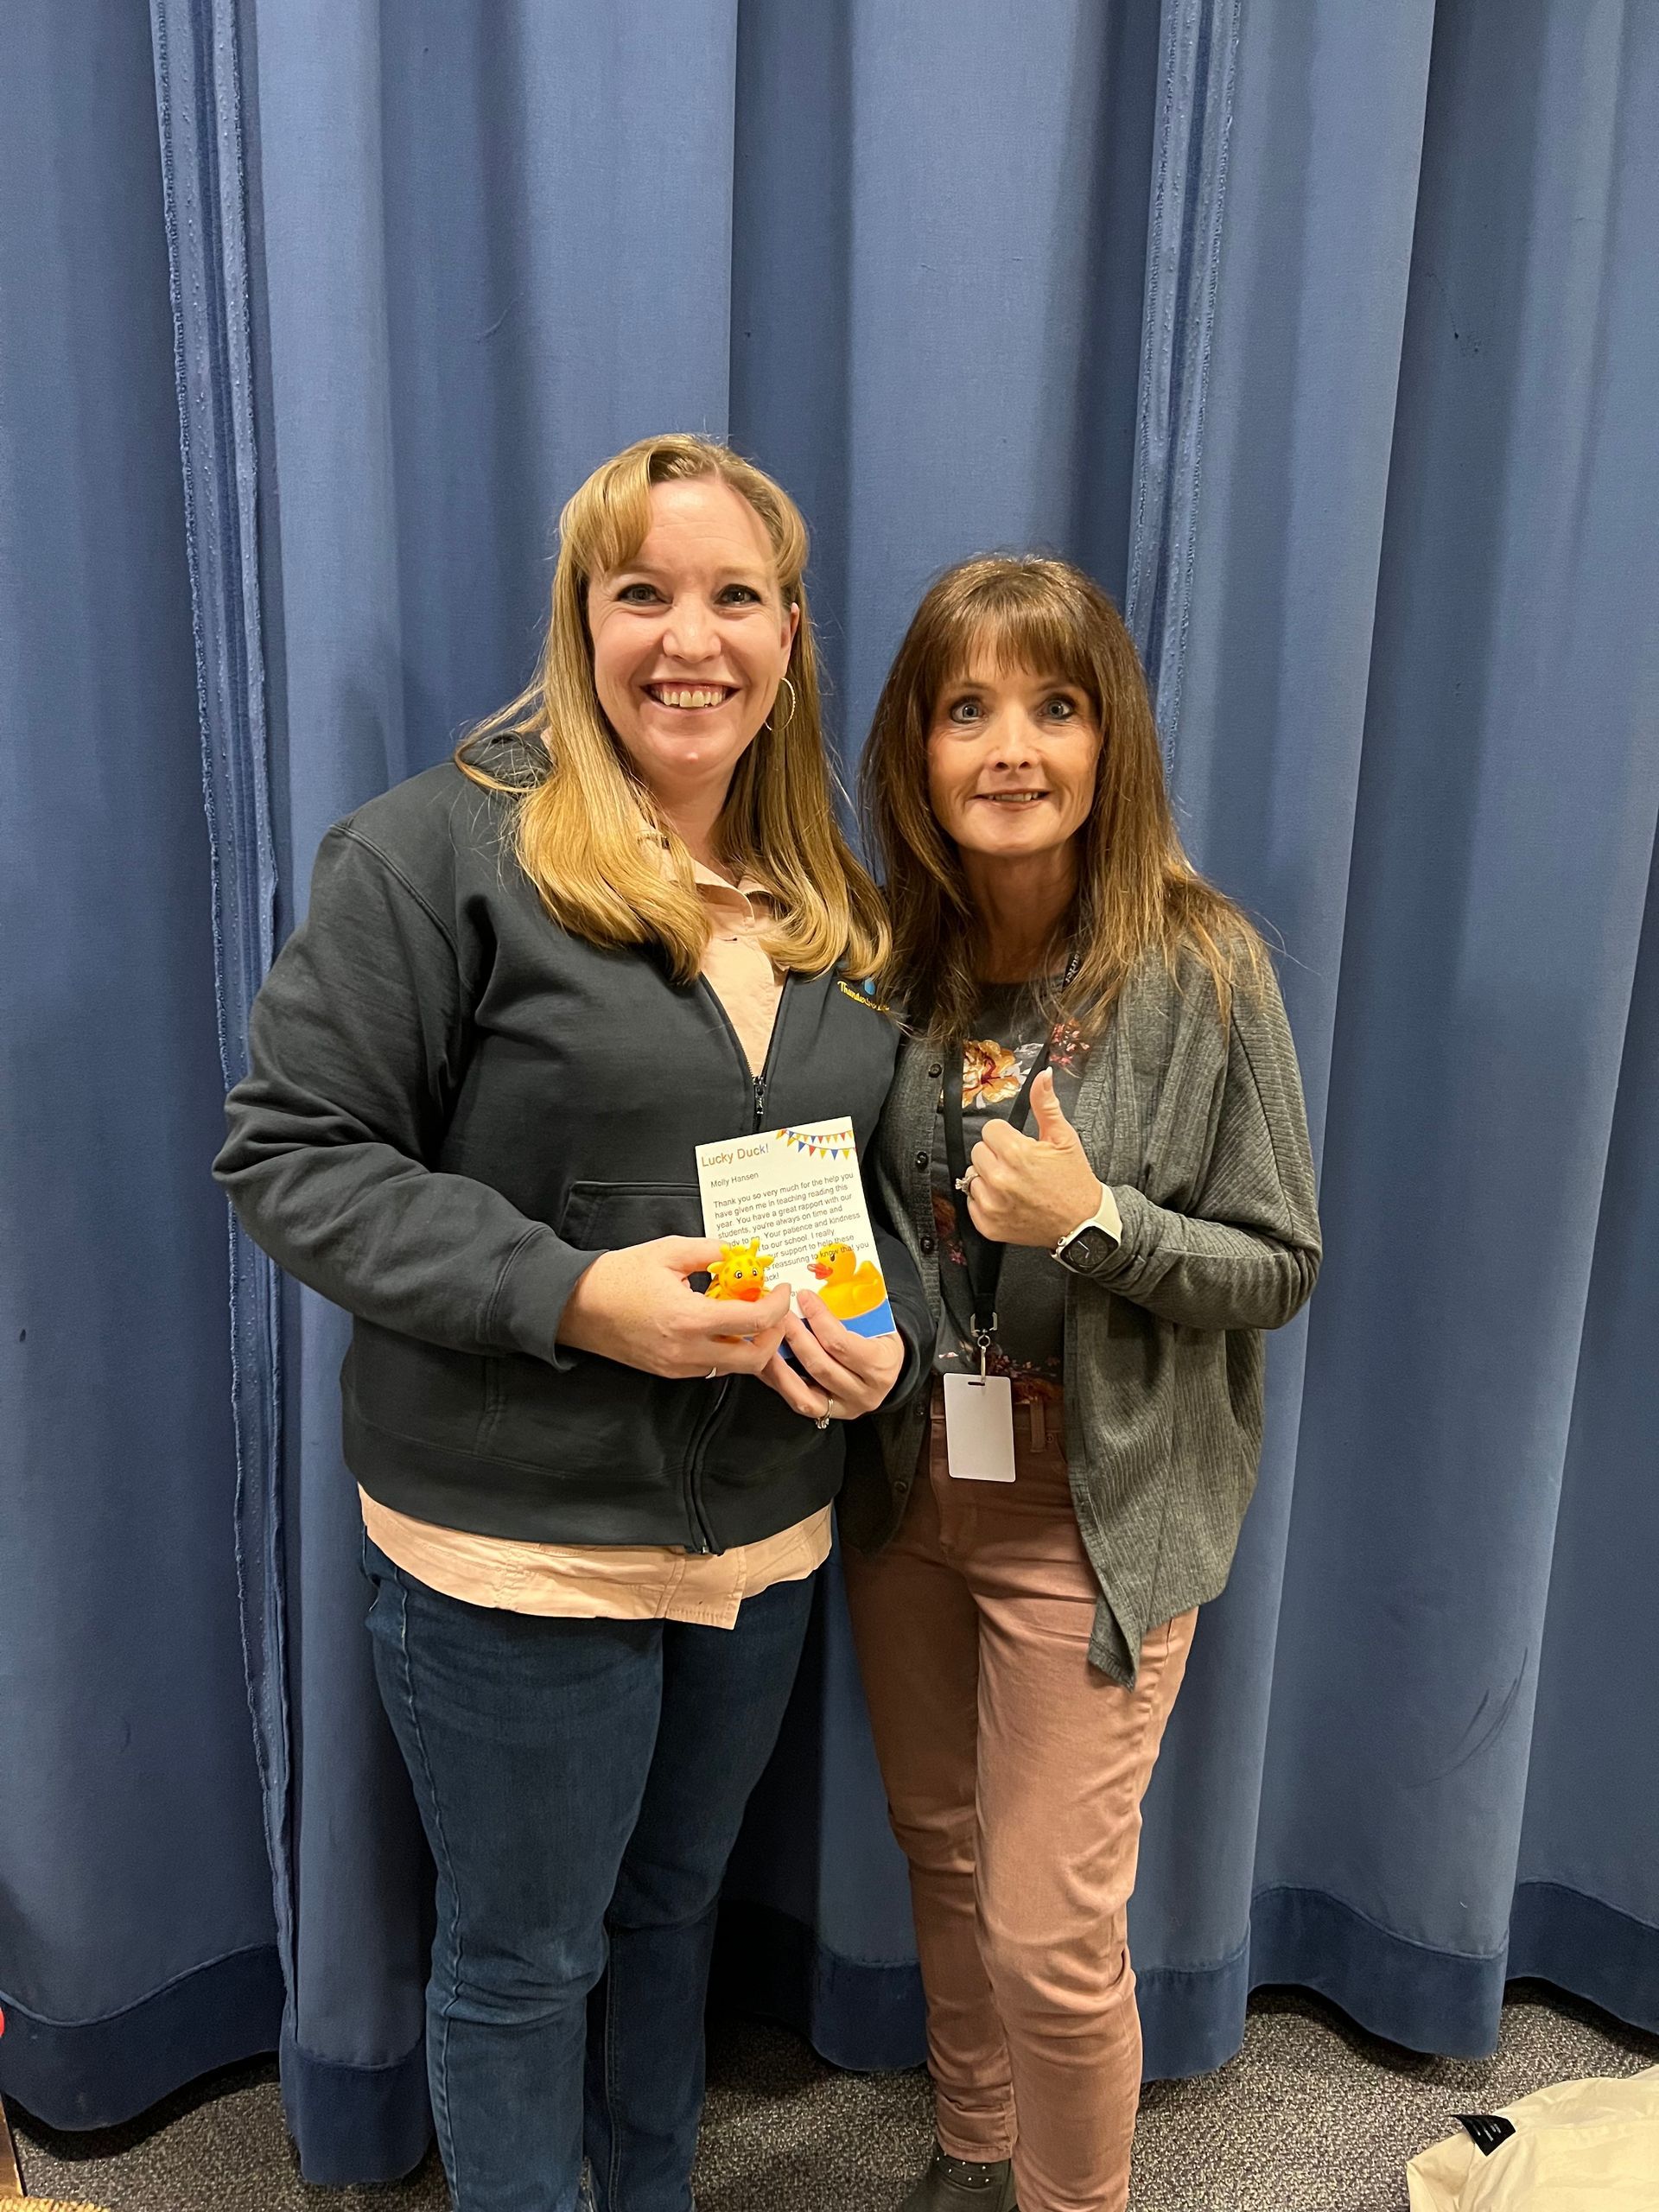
[[1017, 631], [608, 520]]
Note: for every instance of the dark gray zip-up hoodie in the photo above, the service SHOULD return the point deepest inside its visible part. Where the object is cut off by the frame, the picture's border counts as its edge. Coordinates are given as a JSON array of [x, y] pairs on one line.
[[452, 1105]]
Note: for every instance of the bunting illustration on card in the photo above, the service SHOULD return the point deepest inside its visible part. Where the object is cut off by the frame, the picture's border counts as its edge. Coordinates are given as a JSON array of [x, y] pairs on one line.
[[823, 1137]]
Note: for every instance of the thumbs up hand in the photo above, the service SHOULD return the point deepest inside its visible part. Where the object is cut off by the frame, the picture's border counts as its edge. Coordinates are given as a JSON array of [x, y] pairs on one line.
[[1032, 1190]]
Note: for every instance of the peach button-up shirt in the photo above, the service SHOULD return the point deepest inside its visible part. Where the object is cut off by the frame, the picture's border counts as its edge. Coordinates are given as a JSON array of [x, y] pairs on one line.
[[632, 1582]]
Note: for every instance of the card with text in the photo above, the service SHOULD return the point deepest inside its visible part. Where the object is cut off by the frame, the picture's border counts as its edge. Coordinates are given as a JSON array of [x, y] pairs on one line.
[[788, 1206]]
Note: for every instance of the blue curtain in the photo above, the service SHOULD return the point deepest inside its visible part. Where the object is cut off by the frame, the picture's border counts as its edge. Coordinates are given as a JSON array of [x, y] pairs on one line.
[[136, 1936], [1325, 336]]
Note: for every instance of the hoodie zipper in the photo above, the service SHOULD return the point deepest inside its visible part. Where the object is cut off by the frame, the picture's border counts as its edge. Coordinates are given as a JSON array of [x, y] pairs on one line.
[[759, 1086]]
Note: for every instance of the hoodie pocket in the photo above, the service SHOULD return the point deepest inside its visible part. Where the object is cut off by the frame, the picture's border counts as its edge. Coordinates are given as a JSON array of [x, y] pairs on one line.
[[597, 1418], [601, 1217]]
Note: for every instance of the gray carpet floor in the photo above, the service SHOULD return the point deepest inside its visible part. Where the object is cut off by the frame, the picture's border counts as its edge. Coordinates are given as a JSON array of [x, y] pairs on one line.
[[1312, 2115]]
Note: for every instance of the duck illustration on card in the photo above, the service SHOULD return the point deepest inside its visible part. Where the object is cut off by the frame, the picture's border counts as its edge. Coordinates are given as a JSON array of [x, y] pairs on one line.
[[787, 1208]]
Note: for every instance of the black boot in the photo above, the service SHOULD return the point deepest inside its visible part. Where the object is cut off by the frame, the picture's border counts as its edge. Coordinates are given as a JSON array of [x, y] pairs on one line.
[[963, 2185]]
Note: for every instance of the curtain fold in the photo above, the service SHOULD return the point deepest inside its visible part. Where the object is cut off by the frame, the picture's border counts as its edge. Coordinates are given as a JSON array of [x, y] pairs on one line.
[[1198, 66], [1264, 709], [1502, 846], [136, 1937], [199, 115], [1326, 337]]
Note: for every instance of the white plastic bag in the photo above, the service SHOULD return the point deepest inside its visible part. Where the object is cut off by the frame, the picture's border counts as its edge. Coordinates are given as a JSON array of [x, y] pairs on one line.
[[1579, 2147]]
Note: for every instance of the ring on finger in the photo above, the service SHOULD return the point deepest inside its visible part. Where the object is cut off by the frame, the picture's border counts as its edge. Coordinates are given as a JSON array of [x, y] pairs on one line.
[[966, 1181]]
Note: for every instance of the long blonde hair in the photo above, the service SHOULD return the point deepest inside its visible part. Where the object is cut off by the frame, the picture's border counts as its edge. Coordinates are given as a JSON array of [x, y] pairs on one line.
[[1137, 891], [577, 821]]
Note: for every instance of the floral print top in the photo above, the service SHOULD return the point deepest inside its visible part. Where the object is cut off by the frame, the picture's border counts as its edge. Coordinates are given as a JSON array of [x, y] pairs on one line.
[[1030, 1291]]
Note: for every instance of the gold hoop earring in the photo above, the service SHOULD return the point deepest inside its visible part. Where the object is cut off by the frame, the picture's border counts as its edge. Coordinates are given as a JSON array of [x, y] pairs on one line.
[[784, 684]]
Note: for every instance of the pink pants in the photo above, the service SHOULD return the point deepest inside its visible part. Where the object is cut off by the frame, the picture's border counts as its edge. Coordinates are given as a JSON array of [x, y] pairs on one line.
[[1015, 1773]]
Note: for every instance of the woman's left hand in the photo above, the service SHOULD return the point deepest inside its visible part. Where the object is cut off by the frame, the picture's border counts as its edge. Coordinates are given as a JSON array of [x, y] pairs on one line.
[[847, 1374], [1035, 1190]]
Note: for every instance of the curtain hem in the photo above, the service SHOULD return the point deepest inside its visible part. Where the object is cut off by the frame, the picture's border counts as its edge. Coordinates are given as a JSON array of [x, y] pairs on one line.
[[101, 2073], [354, 2125], [1592, 1949], [868, 2019]]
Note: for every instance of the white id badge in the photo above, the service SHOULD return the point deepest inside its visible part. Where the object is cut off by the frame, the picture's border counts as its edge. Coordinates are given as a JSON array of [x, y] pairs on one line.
[[979, 1427]]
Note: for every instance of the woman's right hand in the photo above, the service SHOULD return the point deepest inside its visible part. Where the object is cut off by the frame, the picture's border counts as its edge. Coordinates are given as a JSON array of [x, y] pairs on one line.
[[635, 1305]]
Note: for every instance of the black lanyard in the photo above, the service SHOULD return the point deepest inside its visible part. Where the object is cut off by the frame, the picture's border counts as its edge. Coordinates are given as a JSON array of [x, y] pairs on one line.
[[981, 1255]]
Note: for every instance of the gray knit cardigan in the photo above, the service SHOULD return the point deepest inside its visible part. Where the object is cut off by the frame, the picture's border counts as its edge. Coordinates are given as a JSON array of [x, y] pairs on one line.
[[1202, 1136]]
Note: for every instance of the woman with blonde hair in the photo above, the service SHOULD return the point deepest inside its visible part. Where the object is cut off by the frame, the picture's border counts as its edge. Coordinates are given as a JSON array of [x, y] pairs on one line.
[[622, 922], [1038, 1535]]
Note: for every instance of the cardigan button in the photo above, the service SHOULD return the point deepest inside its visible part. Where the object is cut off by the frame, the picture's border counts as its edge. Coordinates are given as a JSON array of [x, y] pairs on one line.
[[935, 1068], [922, 1158], [927, 1243]]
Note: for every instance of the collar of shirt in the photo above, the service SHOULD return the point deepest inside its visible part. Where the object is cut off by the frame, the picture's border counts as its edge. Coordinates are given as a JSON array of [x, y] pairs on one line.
[[715, 888]]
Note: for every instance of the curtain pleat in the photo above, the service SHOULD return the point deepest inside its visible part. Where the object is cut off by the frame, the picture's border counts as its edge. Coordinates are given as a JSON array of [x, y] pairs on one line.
[[199, 115], [138, 1948], [1198, 64]]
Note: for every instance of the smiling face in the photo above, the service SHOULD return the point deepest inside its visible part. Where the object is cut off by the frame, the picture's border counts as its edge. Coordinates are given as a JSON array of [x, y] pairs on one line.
[[690, 640], [1011, 761]]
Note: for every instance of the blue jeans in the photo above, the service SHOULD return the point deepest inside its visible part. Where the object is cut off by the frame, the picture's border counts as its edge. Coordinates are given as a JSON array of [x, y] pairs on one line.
[[581, 1783]]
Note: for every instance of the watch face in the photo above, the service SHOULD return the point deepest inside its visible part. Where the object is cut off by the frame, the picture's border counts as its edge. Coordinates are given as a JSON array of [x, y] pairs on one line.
[[1090, 1248]]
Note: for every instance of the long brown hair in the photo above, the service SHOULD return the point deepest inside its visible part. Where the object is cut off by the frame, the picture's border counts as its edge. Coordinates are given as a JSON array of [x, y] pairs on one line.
[[577, 820], [1137, 891]]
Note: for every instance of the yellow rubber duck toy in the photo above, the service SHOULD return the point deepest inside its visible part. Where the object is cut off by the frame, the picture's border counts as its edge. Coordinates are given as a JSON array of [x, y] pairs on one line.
[[848, 1286], [741, 1272]]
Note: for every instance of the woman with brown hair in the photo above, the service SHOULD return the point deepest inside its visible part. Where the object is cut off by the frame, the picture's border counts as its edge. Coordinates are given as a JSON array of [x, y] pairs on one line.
[[1034, 1539], [530, 984]]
